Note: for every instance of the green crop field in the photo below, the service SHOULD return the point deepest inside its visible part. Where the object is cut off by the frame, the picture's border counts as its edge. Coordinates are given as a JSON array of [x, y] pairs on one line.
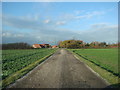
[[105, 58], [15, 60]]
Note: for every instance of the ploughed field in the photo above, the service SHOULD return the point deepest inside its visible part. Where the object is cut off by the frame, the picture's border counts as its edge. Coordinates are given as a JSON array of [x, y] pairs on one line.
[[15, 60], [105, 58]]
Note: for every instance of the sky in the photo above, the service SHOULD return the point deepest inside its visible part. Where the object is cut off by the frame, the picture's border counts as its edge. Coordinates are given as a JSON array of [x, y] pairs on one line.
[[60, 0], [50, 22]]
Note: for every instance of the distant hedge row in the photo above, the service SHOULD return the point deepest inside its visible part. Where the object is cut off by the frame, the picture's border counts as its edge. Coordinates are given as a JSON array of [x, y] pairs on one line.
[[15, 46], [74, 44]]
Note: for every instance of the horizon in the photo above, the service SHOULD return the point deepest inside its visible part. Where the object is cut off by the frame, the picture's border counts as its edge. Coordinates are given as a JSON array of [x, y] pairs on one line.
[[50, 22]]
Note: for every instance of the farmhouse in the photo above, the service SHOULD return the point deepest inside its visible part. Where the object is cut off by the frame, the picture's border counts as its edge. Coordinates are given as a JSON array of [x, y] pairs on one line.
[[36, 46], [54, 46], [41, 45]]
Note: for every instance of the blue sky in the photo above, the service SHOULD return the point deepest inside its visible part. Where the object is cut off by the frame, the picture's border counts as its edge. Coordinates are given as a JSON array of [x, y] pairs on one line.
[[50, 22]]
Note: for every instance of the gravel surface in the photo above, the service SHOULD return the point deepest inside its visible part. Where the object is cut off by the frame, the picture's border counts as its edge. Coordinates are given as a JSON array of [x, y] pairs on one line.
[[61, 70]]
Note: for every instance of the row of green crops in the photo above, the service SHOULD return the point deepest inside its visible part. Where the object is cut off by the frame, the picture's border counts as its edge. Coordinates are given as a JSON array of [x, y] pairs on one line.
[[105, 58], [15, 60]]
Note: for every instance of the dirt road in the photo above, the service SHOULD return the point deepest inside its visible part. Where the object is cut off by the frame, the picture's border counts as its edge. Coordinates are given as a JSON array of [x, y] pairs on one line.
[[61, 70]]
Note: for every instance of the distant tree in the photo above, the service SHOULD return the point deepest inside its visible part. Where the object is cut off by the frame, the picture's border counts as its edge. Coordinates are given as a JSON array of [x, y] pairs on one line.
[[71, 44], [87, 45], [21, 45], [102, 44], [94, 44]]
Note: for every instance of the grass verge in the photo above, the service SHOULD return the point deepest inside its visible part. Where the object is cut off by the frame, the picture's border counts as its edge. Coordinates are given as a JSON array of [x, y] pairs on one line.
[[109, 77], [11, 79]]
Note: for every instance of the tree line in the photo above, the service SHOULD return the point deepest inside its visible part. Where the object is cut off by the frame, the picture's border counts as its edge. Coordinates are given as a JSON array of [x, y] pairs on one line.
[[74, 44], [71, 44], [20, 45]]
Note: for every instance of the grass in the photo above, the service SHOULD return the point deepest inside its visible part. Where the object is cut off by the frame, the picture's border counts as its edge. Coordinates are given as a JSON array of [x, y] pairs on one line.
[[103, 58], [19, 73]]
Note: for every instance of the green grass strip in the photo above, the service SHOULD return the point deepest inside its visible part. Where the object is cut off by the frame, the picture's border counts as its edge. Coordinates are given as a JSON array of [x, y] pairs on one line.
[[11, 79], [109, 77]]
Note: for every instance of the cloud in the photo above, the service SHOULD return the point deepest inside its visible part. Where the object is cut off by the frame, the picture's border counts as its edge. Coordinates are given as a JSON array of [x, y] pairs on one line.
[[90, 14], [35, 21], [47, 21], [80, 14], [60, 23], [100, 32], [77, 12], [9, 34], [51, 36], [20, 22], [46, 31], [97, 32], [28, 17], [39, 31]]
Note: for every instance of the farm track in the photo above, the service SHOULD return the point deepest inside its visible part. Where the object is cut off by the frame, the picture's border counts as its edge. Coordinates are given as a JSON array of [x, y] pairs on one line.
[[61, 70]]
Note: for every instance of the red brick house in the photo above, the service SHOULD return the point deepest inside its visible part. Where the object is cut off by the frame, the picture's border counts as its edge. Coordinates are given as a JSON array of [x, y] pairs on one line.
[[41, 45], [54, 46], [36, 46]]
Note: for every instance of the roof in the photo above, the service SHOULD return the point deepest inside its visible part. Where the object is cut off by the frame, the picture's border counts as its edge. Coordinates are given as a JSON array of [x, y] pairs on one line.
[[36, 45], [40, 45], [54, 46], [43, 44]]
